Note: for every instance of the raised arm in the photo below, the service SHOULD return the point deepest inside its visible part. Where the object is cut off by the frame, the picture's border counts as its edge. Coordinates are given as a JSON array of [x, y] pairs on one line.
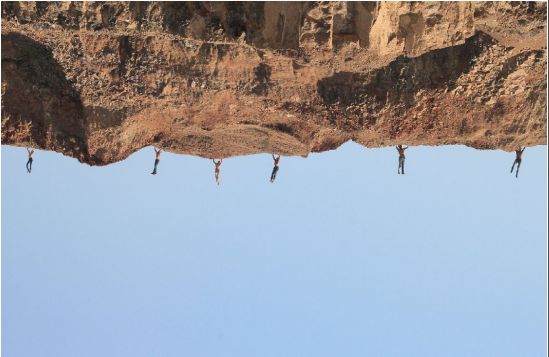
[[214, 161], [406, 147], [220, 161], [524, 148], [273, 157], [155, 149], [28, 150]]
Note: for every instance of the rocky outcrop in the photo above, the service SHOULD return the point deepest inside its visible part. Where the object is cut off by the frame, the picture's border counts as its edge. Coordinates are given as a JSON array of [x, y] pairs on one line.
[[99, 81]]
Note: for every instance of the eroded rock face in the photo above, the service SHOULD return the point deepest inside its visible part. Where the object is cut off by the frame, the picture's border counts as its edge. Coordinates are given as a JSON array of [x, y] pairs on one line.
[[99, 81]]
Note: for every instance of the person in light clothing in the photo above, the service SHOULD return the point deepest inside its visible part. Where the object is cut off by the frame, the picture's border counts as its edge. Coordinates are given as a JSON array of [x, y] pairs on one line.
[[217, 166]]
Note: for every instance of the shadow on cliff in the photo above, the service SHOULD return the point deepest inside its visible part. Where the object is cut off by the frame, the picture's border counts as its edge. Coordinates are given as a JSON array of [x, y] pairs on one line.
[[39, 101], [401, 80]]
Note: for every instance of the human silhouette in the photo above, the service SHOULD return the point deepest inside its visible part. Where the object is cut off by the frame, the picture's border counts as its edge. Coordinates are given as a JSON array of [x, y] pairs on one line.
[[157, 160], [217, 165], [401, 157], [275, 168], [29, 163], [518, 160]]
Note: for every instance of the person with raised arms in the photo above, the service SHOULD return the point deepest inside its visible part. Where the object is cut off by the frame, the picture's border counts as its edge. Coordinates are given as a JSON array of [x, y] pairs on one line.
[[157, 160], [275, 168], [401, 157], [29, 163], [217, 166], [518, 160]]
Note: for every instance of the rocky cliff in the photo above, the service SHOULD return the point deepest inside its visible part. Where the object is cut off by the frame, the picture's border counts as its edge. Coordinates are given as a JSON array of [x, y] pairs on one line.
[[100, 80]]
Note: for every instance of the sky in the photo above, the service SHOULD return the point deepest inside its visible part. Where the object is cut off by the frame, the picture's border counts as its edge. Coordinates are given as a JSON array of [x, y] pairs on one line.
[[340, 256]]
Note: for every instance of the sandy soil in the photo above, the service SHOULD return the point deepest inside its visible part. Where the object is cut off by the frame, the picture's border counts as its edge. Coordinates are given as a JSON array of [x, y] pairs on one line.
[[99, 81]]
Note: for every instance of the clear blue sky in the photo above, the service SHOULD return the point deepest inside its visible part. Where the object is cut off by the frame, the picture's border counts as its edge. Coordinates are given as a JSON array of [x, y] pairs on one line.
[[339, 257]]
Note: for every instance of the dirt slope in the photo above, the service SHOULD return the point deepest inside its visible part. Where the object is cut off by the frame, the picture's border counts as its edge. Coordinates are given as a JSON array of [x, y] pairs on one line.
[[99, 81]]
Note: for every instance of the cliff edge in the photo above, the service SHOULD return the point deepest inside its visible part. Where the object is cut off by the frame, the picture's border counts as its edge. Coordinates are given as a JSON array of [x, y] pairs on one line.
[[98, 81]]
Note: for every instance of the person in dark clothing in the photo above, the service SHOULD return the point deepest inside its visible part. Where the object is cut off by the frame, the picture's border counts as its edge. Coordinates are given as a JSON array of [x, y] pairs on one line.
[[518, 160], [275, 168], [401, 157], [29, 163], [217, 166], [157, 160]]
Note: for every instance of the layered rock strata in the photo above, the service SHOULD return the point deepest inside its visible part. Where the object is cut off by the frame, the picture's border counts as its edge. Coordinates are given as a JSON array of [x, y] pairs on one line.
[[98, 81]]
